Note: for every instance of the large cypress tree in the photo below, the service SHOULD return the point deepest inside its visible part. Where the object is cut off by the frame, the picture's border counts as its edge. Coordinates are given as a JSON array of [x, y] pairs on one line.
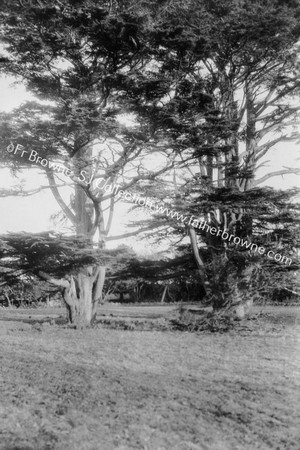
[[235, 73], [75, 58]]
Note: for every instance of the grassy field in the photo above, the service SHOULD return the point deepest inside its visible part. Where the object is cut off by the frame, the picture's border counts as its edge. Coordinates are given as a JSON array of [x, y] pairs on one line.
[[102, 388]]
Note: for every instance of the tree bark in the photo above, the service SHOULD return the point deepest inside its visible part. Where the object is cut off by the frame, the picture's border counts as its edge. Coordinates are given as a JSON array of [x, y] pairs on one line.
[[198, 259], [164, 294], [251, 138], [83, 221], [82, 293]]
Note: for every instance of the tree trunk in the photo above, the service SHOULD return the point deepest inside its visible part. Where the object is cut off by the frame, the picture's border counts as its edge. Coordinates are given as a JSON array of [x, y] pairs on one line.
[[251, 139], [83, 221], [164, 294], [198, 259], [229, 300], [8, 299], [81, 293]]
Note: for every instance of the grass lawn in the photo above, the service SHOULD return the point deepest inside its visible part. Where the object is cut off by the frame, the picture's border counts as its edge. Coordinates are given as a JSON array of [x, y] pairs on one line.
[[108, 389]]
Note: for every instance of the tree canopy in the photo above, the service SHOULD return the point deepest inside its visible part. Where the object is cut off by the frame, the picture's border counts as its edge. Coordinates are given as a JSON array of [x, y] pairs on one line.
[[206, 89]]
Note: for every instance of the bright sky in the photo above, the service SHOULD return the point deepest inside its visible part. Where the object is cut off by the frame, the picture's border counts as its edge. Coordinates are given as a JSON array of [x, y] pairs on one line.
[[33, 213]]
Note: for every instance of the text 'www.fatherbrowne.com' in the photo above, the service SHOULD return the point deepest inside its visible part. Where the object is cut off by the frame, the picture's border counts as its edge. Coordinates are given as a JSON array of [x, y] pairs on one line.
[[191, 221]]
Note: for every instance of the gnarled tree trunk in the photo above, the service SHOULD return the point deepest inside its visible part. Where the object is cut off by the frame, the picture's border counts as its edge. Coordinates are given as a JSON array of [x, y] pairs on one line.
[[82, 291]]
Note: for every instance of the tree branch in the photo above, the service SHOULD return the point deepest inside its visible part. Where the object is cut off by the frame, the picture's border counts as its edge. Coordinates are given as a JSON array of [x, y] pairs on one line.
[[60, 283], [133, 233], [111, 212], [276, 174], [58, 197], [20, 193]]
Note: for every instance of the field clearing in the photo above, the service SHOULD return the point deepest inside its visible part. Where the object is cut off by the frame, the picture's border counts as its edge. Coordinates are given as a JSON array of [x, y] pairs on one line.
[[66, 389]]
